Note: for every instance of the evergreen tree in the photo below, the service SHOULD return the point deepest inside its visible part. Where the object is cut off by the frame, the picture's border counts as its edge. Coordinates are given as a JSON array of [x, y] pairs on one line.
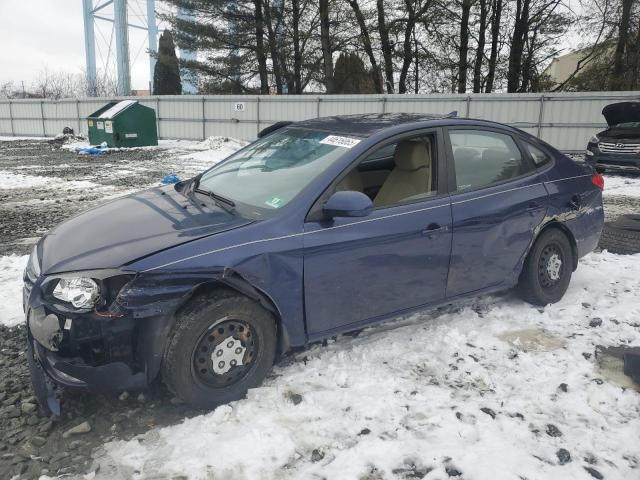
[[166, 76], [351, 76]]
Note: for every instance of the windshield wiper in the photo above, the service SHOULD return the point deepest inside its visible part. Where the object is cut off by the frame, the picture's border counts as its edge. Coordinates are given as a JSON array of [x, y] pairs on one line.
[[225, 203]]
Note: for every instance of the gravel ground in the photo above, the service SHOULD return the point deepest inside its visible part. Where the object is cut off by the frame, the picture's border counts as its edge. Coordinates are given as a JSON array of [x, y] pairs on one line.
[[41, 185]]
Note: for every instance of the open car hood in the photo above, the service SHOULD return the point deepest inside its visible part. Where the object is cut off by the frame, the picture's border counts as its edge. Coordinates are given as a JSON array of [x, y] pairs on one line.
[[622, 112]]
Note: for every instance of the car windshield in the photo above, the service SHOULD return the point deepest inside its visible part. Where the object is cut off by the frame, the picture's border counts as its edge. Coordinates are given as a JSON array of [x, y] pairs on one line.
[[269, 173]]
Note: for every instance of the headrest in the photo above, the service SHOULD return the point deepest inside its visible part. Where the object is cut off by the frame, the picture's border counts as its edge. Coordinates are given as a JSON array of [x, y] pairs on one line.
[[499, 154], [465, 154], [412, 155]]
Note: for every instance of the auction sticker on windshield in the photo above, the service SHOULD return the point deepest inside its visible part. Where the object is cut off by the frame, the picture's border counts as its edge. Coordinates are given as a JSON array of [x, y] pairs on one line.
[[338, 141], [274, 202]]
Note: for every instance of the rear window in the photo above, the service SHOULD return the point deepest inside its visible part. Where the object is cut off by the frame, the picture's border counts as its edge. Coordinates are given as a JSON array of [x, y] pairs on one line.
[[483, 158], [537, 155]]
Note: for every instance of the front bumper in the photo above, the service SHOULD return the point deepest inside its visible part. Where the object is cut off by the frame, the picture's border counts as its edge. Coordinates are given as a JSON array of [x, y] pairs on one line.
[[64, 352], [613, 162], [118, 348]]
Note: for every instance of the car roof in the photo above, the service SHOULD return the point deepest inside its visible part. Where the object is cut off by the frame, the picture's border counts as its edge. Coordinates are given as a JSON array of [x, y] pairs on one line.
[[366, 125]]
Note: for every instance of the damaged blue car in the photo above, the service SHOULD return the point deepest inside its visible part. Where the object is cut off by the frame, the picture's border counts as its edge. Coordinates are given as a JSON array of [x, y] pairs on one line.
[[317, 228]]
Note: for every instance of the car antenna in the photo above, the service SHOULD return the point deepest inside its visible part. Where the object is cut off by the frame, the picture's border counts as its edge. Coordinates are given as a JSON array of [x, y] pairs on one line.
[[452, 114]]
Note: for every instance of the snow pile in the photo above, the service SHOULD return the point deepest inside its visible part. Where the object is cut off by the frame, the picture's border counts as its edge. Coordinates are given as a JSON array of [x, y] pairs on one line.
[[211, 143], [205, 154], [219, 143], [11, 269], [493, 389], [622, 186]]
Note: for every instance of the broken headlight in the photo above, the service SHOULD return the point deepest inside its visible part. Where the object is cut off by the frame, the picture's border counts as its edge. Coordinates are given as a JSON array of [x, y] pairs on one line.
[[81, 292]]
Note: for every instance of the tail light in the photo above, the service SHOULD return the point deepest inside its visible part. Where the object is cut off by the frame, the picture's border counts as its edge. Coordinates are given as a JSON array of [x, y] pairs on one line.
[[598, 180]]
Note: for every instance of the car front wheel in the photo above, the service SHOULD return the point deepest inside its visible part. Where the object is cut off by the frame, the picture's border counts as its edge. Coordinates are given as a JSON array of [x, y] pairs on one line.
[[547, 269], [221, 346]]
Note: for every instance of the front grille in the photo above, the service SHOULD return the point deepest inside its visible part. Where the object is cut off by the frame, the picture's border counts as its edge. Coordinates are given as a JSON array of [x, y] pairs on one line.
[[624, 148]]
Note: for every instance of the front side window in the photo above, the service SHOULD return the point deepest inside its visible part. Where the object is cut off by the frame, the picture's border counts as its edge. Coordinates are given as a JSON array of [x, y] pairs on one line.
[[483, 158], [401, 172], [268, 174]]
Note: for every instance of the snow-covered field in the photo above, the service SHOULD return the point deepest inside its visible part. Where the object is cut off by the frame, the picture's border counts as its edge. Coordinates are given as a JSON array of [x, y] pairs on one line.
[[478, 388], [11, 268], [616, 185], [489, 389]]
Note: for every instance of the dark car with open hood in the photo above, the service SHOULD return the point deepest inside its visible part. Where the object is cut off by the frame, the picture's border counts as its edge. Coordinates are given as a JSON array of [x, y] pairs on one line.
[[318, 228], [618, 147]]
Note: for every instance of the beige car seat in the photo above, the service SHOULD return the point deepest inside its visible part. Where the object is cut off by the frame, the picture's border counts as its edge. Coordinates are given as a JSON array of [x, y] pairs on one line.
[[411, 175], [352, 181]]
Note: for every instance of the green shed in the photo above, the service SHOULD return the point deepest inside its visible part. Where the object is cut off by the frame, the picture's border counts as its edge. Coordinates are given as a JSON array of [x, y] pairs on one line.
[[123, 124]]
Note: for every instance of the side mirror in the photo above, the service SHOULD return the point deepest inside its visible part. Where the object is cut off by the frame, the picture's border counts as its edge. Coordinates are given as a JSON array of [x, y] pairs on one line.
[[347, 203]]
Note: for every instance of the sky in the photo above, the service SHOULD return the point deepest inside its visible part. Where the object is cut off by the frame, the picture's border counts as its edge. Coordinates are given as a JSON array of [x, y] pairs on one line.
[[39, 34]]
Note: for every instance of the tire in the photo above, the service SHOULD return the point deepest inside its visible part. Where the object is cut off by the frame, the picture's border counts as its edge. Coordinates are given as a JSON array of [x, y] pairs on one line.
[[211, 334], [622, 236], [543, 280]]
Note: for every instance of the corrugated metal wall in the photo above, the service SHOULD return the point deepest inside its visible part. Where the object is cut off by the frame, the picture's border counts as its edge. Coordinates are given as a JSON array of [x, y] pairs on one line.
[[566, 120]]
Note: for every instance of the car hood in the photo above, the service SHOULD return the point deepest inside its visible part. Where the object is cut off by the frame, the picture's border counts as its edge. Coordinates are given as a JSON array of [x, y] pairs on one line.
[[622, 112], [129, 228]]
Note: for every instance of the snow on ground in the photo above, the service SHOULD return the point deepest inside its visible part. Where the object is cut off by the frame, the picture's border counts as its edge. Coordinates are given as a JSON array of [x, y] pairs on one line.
[[476, 388], [11, 268], [9, 181], [205, 154], [4, 138], [210, 143], [473, 388], [187, 157], [622, 185]]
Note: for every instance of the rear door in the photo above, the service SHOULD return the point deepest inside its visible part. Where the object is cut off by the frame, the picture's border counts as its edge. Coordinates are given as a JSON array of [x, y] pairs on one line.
[[497, 201]]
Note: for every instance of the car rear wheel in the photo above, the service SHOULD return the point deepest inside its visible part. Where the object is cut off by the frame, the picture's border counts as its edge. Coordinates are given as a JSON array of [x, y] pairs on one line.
[[547, 269], [221, 346]]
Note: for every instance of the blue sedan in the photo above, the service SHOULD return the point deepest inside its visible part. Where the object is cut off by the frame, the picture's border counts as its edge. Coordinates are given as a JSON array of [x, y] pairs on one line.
[[317, 228]]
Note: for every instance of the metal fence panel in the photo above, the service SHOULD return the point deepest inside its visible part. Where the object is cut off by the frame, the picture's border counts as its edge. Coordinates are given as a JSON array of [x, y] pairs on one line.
[[566, 120], [6, 126], [298, 108], [189, 130]]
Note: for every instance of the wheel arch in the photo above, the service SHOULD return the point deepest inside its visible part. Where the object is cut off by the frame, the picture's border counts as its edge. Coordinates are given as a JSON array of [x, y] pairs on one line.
[[232, 281], [558, 225]]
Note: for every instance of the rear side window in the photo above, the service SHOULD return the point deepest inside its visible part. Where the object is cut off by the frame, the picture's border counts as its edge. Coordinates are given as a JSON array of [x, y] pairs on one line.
[[482, 158], [537, 155]]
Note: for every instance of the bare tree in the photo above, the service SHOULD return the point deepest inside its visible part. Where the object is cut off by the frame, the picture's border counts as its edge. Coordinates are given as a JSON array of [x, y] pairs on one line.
[[482, 31], [463, 61], [496, 18]]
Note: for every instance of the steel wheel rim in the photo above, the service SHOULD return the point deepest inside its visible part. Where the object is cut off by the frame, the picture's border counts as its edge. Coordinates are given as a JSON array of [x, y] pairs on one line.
[[206, 358], [551, 266]]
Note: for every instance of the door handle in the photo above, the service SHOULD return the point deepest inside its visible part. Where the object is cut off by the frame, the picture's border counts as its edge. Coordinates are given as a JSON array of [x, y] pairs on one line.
[[433, 228]]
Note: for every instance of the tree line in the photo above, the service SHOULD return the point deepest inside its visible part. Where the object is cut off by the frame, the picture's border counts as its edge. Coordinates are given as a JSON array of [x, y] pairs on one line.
[[404, 46]]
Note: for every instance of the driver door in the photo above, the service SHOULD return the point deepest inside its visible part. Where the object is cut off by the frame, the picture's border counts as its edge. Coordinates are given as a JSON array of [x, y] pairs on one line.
[[358, 270]]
